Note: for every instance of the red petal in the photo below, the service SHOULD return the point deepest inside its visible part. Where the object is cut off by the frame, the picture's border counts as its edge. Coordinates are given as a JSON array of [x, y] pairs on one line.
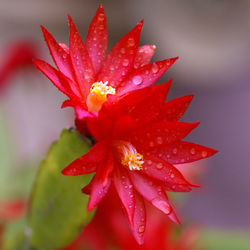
[[100, 183], [173, 217], [64, 47], [145, 76], [97, 39], [59, 55], [160, 134], [144, 55], [81, 62], [148, 109], [87, 188], [174, 109], [184, 152], [151, 192], [161, 170], [139, 221], [125, 191], [56, 77], [121, 58], [88, 162]]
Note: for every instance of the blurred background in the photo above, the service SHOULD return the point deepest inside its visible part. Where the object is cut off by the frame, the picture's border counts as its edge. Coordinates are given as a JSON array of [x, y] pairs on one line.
[[212, 39]]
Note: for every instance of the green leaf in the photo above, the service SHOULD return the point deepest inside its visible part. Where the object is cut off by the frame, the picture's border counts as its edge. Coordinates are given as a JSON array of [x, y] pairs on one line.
[[58, 208]]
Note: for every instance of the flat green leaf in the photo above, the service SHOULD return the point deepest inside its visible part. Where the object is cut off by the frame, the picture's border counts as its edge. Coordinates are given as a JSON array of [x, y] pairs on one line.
[[58, 208]]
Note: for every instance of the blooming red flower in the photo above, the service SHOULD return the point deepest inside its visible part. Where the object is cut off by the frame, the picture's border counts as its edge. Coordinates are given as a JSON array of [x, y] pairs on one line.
[[87, 75], [138, 141]]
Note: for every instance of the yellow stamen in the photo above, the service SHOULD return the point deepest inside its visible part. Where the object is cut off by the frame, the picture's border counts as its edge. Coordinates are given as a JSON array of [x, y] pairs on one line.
[[129, 156], [98, 95]]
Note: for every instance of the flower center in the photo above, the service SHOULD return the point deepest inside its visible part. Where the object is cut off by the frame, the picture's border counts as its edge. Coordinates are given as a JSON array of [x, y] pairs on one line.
[[98, 95], [129, 156]]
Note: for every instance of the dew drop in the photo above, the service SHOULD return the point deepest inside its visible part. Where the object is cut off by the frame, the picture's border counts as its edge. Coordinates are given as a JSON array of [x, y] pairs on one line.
[[123, 51], [141, 229], [149, 162], [131, 42], [155, 68], [175, 151], [112, 67], [159, 140], [101, 27], [192, 151], [64, 56], [172, 176], [204, 154], [101, 17], [159, 165], [162, 205], [137, 80], [125, 62]]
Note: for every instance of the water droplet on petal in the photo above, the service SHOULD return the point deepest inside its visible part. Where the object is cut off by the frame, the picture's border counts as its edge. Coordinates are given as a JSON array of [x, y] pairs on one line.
[[149, 162], [123, 51], [204, 154], [159, 140], [125, 62], [162, 205], [172, 176], [112, 67], [159, 165], [137, 80], [131, 42], [141, 229], [155, 68], [192, 151], [175, 151], [101, 17]]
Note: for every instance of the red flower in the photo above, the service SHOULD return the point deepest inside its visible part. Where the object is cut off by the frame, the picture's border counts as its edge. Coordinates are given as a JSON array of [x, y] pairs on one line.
[[108, 229], [17, 55], [138, 141], [86, 75]]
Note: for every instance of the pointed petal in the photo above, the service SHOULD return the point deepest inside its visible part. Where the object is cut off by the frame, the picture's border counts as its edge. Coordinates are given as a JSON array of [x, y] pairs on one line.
[[173, 217], [87, 188], [174, 109], [145, 76], [144, 55], [97, 39], [81, 62], [163, 171], [159, 134], [125, 191], [149, 108], [139, 222], [56, 77], [121, 58], [184, 152], [87, 163], [176, 188], [151, 191], [59, 55], [100, 183]]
